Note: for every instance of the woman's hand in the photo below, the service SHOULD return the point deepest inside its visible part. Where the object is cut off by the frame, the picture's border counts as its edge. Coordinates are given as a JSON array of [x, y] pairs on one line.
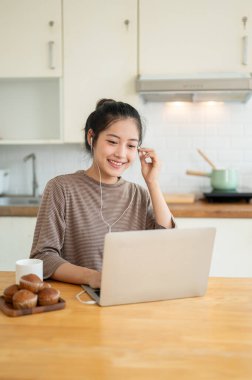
[[150, 164], [150, 171], [94, 279]]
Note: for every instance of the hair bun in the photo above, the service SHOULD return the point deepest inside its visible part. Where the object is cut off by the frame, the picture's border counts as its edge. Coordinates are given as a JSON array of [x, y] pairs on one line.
[[103, 101]]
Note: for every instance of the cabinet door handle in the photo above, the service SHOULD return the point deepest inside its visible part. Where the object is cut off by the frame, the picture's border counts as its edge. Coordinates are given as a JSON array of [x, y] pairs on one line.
[[51, 45], [244, 42], [245, 50]]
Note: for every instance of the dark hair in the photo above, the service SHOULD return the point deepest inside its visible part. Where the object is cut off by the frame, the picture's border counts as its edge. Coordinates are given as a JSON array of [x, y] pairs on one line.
[[106, 113]]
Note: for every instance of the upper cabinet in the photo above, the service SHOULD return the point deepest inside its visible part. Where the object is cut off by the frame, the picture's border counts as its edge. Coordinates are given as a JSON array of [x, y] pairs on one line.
[[196, 36], [30, 71], [30, 110], [30, 38], [100, 58]]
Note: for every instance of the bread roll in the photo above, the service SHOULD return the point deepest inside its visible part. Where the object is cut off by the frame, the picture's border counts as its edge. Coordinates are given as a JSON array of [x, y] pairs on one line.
[[31, 282], [9, 292], [24, 299], [46, 285], [48, 296]]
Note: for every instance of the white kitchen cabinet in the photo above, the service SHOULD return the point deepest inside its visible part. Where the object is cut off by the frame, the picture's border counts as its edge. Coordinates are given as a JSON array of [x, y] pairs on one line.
[[232, 255], [30, 38], [196, 36], [30, 110], [30, 70], [16, 236], [100, 58]]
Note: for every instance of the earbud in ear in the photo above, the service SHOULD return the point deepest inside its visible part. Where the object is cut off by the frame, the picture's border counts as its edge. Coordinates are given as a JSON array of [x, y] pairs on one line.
[[91, 141]]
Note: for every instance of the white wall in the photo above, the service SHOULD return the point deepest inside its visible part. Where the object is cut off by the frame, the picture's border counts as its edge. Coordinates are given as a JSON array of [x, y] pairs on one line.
[[223, 131]]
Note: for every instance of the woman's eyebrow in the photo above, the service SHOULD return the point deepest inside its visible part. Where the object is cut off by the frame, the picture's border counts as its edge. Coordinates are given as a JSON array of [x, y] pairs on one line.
[[112, 135]]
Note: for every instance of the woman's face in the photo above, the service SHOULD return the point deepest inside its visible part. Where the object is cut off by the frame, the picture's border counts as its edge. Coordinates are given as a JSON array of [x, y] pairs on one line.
[[116, 149]]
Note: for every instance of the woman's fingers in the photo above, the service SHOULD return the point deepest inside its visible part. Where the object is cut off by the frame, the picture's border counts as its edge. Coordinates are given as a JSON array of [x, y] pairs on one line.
[[147, 153], [145, 150], [150, 164]]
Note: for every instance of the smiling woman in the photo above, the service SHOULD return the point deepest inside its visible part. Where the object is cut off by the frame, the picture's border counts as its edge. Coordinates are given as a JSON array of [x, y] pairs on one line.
[[78, 209], [114, 151]]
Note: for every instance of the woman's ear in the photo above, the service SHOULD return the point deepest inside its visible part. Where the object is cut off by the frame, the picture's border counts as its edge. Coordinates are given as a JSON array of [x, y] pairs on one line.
[[90, 137]]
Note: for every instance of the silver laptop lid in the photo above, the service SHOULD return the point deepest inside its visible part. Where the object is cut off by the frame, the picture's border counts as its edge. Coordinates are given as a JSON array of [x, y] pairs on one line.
[[141, 266]]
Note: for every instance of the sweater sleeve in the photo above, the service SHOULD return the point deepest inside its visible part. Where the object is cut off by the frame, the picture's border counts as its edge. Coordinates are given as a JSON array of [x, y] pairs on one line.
[[50, 228]]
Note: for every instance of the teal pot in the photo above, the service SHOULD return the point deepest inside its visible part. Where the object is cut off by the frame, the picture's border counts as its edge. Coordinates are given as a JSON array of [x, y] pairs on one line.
[[221, 179]]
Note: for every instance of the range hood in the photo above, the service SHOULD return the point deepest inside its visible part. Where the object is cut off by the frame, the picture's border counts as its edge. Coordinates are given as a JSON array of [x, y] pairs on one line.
[[230, 87]]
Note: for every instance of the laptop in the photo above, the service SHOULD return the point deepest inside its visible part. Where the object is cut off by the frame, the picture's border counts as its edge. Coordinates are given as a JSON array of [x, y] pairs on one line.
[[154, 265]]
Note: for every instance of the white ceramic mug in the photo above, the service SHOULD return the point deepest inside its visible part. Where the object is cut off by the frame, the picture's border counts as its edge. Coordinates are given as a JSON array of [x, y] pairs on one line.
[[27, 266]]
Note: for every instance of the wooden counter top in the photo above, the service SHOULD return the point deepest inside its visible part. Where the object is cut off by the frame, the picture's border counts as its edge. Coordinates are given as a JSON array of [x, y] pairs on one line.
[[202, 209], [206, 337], [198, 209], [19, 211]]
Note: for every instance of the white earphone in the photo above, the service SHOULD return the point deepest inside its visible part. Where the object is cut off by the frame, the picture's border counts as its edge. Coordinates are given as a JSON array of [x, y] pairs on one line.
[[101, 201], [91, 144]]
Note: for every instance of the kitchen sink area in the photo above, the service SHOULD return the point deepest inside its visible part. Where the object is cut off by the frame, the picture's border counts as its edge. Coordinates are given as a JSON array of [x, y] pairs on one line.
[[19, 200]]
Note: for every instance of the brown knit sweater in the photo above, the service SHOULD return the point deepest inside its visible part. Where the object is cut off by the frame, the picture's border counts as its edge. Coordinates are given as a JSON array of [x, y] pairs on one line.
[[69, 225]]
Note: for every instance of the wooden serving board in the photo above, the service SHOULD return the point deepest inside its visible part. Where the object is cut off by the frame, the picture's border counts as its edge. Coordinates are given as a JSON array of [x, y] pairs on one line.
[[9, 310], [179, 197]]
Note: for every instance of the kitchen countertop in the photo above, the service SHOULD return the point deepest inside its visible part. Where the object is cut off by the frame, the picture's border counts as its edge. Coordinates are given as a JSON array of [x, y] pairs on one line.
[[202, 209], [19, 211], [206, 337], [199, 209]]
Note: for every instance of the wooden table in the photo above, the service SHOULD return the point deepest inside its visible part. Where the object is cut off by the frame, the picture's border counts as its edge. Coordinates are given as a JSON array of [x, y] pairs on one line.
[[199, 338]]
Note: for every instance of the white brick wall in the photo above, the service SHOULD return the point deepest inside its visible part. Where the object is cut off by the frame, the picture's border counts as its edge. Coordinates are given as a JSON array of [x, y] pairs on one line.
[[222, 131]]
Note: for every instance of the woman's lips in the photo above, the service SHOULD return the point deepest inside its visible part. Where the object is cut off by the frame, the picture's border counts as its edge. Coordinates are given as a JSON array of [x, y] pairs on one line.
[[116, 164]]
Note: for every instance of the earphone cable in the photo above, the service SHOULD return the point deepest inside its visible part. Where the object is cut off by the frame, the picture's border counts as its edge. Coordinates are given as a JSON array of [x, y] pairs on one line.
[[101, 203]]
